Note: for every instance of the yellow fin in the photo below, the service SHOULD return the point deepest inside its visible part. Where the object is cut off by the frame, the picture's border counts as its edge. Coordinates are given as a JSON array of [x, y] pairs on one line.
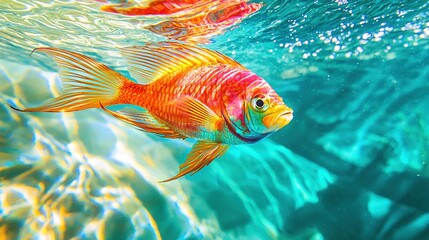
[[86, 82], [144, 121], [148, 63], [197, 114], [201, 155]]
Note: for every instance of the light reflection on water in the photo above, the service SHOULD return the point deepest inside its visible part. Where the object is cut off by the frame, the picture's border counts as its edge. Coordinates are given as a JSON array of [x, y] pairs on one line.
[[188, 20], [355, 154], [61, 186]]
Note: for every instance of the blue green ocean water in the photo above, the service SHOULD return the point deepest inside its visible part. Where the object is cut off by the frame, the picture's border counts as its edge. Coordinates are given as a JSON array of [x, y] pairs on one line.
[[352, 164]]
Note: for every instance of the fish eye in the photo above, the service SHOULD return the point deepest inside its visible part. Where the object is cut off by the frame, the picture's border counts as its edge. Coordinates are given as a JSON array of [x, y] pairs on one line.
[[260, 103]]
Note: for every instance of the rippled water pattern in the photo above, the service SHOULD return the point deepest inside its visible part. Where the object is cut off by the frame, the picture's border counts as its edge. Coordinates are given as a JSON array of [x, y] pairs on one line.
[[353, 164]]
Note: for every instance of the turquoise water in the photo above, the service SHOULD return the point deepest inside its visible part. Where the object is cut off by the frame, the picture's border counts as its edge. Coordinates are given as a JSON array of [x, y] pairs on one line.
[[352, 164]]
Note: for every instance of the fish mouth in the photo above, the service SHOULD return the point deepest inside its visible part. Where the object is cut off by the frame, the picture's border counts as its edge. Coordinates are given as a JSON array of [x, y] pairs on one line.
[[278, 119]]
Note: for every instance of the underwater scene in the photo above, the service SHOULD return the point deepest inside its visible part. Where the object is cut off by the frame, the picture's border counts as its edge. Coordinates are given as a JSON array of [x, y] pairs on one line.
[[214, 119]]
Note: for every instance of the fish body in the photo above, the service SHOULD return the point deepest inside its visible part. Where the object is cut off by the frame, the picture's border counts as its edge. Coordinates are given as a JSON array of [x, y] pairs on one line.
[[212, 85], [185, 91]]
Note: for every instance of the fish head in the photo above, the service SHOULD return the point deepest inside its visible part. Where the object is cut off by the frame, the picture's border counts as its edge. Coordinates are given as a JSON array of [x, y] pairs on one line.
[[256, 110], [265, 111]]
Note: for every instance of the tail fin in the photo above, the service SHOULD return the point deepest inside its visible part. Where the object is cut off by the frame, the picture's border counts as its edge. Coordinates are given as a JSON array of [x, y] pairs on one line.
[[86, 83]]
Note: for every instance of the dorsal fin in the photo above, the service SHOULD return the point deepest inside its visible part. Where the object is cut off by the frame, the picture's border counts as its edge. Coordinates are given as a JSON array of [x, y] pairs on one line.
[[150, 62]]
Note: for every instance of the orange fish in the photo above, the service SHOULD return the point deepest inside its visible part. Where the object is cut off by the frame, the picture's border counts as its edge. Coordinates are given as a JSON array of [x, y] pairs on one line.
[[186, 91]]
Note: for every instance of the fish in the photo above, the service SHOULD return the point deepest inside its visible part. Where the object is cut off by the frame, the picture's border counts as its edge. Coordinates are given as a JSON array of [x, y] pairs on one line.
[[182, 91]]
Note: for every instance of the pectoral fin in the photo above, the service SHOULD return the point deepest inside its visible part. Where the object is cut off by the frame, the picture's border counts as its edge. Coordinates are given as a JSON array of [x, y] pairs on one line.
[[196, 114], [201, 155], [144, 121]]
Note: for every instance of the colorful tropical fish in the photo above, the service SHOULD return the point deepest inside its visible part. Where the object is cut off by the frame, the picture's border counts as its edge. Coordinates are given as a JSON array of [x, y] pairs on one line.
[[186, 91]]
